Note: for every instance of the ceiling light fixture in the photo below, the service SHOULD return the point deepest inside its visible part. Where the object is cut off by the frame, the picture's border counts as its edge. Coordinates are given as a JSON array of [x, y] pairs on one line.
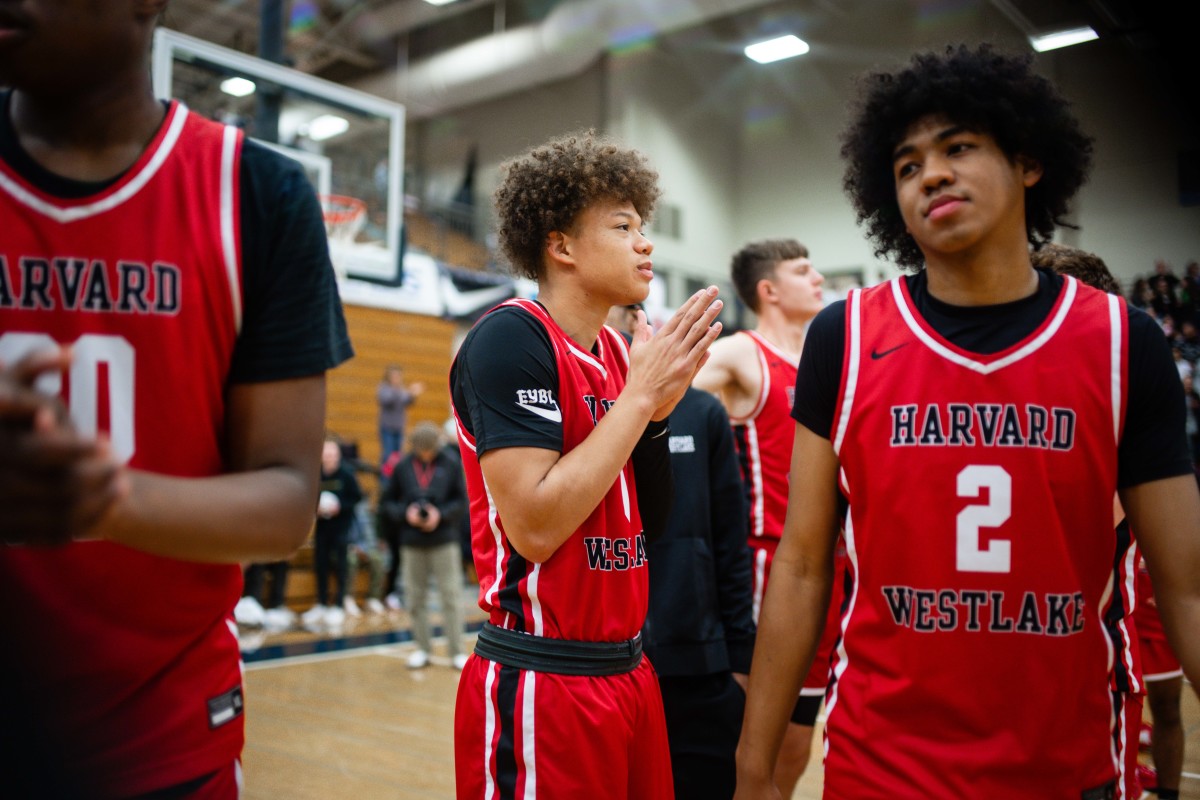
[[776, 49], [238, 87], [1057, 39], [439, 2], [325, 127]]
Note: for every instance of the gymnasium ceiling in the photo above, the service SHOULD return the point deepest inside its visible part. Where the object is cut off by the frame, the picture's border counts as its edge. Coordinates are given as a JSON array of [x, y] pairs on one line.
[[371, 44]]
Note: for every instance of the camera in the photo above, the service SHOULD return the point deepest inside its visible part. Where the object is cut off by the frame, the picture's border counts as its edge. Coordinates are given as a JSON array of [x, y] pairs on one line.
[[423, 509]]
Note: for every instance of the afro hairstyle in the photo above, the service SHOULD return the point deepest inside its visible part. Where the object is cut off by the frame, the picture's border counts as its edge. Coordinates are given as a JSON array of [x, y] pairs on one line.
[[985, 91]]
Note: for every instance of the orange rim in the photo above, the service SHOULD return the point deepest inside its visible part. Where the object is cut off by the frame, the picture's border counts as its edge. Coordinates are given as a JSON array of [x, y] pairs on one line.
[[339, 209]]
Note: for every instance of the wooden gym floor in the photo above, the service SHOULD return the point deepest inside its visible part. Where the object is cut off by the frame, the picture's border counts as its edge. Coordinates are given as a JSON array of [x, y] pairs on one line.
[[357, 723]]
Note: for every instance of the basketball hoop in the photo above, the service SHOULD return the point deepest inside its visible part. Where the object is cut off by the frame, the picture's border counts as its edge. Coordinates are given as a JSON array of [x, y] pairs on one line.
[[344, 216]]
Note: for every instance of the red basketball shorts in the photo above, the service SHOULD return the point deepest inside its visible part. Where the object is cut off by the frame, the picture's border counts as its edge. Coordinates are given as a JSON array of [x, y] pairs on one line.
[[524, 735], [1159, 662], [761, 556]]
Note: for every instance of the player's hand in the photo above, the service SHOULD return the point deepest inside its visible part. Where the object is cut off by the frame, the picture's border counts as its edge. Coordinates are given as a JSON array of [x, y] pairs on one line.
[[55, 485], [663, 364], [22, 405]]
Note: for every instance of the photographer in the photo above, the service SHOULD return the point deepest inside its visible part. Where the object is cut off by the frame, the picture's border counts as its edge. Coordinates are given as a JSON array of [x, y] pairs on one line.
[[425, 497]]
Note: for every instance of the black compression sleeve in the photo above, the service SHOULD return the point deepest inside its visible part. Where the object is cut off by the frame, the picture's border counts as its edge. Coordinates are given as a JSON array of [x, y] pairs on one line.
[[505, 383], [1154, 444], [820, 373], [293, 325], [653, 479]]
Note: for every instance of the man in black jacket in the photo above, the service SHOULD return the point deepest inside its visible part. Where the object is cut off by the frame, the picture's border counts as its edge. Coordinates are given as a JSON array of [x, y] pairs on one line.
[[699, 633], [425, 497]]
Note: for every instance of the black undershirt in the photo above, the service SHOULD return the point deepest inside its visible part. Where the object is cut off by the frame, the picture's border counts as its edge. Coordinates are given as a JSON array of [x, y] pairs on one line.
[[1153, 445], [292, 324], [508, 350]]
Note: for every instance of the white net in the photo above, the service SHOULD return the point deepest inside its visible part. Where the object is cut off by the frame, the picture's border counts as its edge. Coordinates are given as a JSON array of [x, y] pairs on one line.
[[345, 217]]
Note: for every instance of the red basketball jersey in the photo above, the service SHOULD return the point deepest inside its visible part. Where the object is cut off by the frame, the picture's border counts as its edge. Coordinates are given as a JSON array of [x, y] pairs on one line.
[[974, 660], [764, 442], [595, 586], [132, 658]]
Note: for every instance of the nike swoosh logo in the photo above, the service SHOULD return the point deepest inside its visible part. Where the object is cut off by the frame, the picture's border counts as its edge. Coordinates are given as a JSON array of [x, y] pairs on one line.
[[554, 415], [876, 354]]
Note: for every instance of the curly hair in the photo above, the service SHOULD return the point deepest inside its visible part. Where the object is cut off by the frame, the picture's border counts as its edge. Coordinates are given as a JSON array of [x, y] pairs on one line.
[[547, 188], [1086, 267], [985, 91], [758, 260]]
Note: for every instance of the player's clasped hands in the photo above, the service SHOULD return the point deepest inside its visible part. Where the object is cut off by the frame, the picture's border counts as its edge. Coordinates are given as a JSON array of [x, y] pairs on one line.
[[55, 484], [664, 363]]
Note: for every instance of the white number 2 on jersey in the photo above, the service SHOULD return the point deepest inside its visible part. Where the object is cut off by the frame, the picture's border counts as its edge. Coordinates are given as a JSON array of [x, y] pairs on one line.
[[90, 351], [970, 557]]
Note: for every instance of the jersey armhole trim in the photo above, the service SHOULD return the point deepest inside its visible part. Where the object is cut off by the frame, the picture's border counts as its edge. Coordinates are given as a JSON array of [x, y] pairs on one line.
[[1118, 345], [764, 386], [849, 381], [230, 247]]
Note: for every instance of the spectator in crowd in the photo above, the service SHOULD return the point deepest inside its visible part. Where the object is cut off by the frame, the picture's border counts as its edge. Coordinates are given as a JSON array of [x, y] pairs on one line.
[[1188, 293], [1188, 341], [1140, 294], [394, 398], [336, 508], [388, 532], [1193, 417], [1164, 302], [1183, 366], [425, 498], [365, 550], [1164, 273]]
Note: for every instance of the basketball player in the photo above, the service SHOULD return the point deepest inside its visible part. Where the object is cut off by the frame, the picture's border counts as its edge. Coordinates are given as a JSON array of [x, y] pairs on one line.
[[563, 434], [171, 282], [1163, 679], [1128, 667], [978, 416], [754, 374]]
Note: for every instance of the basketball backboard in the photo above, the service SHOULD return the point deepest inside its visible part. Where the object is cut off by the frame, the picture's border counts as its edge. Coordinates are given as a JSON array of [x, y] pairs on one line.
[[350, 143]]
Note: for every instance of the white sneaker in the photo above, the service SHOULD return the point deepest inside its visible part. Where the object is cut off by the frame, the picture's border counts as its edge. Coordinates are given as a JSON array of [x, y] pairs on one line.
[[351, 607], [459, 661], [279, 619], [375, 607], [314, 616], [417, 659], [334, 617], [248, 612], [393, 601], [251, 641]]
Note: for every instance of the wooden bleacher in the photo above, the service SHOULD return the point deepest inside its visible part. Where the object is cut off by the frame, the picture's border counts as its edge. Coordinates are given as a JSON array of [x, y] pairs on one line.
[[444, 243], [420, 344]]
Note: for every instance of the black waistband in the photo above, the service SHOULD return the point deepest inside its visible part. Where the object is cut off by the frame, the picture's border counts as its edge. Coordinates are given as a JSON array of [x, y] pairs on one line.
[[558, 656]]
